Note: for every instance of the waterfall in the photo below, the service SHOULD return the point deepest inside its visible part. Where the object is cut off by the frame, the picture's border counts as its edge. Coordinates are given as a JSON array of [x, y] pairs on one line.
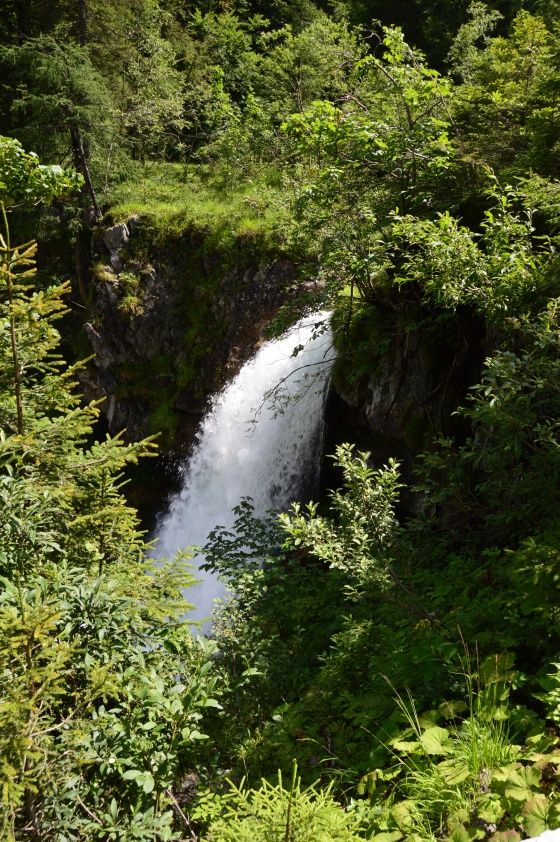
[[275, 460]]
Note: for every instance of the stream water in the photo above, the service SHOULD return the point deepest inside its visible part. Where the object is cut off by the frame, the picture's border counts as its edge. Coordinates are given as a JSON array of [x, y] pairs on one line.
[[274, 460]]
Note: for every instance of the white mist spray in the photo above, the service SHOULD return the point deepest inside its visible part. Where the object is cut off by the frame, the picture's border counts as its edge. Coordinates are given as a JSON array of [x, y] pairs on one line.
[[273, 461]]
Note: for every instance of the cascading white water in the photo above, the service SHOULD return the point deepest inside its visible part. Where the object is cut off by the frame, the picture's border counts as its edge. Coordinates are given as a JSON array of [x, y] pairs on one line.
[[271, 461]]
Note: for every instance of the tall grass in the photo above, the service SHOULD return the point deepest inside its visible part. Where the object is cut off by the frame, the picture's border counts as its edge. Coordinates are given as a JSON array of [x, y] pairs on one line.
[[172, 195], [438, 787]]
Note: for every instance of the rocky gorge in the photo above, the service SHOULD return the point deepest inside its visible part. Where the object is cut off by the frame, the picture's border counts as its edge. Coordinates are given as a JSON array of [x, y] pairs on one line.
[[171, 324]]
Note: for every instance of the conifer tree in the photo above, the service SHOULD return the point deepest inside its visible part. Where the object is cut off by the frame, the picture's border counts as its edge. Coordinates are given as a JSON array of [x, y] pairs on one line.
[[102, 686]]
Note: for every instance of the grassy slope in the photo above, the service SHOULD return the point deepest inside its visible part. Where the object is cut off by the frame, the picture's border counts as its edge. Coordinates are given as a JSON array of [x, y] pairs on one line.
[[171, 197]]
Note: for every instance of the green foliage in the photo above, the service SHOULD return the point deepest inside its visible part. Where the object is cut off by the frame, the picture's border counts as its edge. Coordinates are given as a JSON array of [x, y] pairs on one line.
[[482, 762], [389, 151], [23, 179], [281, 814], [507, 473], [448, 779], [272, 634], [422, 203], [95, 710], [497, 269], [361, 540], [465, 53], [173, 199], [104, 689], [503, 109], [112, 98]]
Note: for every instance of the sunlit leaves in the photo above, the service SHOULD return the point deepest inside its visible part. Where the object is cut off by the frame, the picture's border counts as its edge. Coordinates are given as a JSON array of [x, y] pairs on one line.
[[360, 537], [24, 180], [99, 675]]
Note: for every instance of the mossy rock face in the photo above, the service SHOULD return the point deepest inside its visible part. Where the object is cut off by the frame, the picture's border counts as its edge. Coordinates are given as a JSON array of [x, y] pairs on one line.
[[175, 321], [401, 375], [361, 342]]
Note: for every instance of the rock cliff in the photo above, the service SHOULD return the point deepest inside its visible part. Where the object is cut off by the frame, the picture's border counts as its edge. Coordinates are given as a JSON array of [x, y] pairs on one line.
[[396, 386], [171, 323]]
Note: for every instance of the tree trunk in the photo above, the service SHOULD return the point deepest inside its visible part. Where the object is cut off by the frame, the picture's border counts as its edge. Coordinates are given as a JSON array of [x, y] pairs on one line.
[[23, 22], [13, 335], [31, 815], [82, 22], [80, 161], [81, 157]]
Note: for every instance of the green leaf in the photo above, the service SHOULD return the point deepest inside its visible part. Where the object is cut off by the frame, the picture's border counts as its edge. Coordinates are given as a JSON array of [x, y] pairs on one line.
[[407, 747], [495, 668], [501, 713], [132, 774], [149, 782], [436, 740], [402, 813], [460, 816], [429, 718], [490, 809], [506, 836], [451, 709], [535, 815], [520, 783], [367, 784], [459, 834], [454, 771], [196, 735]]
